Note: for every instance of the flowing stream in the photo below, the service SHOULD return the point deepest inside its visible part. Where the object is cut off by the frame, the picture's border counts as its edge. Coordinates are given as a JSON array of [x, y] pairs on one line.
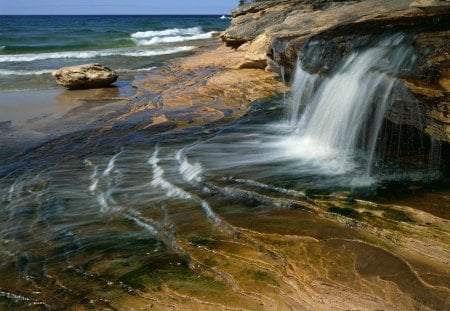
[[85, 203]]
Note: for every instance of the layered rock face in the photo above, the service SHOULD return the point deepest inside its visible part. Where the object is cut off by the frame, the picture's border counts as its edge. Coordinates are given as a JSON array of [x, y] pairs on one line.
[[431, 85], [87, 76], [275, 33]]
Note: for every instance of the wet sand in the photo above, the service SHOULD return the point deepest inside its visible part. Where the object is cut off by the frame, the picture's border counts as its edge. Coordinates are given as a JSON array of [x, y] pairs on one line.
[[28, 118]]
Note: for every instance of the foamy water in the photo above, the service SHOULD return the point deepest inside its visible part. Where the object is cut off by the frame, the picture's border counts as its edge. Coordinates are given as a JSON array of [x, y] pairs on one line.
[[24, 72], [91, 54], [173, 35], [32, 47], [167, 32], [173, 39]]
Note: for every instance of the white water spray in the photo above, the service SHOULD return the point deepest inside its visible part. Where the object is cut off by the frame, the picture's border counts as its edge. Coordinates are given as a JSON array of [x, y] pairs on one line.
[[345, 111]]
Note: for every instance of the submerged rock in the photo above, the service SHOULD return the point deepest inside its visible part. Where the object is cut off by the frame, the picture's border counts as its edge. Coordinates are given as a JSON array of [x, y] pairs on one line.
[[88, 76]]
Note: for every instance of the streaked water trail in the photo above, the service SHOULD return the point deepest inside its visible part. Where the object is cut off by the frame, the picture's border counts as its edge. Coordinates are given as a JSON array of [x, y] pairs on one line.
[[111, 164], [190, 172], [159, 181]]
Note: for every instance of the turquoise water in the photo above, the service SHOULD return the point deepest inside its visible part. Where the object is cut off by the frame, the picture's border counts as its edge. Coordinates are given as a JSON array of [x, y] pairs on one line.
[[32, 46]]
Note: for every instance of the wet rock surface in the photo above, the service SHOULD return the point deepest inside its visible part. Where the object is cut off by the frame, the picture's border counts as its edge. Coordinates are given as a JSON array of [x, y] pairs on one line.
[[201, 89], [337, 28], [215, 243], [88, 76], [431, 84]]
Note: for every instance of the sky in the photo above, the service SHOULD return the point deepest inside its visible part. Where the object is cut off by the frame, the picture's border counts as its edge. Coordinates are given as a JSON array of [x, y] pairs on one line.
[[146, 7]]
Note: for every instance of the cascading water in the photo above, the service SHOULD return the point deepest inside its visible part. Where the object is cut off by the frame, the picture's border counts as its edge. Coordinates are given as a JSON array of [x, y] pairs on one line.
[[302, 90], [337, 117]]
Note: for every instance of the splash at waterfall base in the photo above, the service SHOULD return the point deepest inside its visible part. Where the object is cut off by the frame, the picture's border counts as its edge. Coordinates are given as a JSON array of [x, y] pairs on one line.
[[189, 198]]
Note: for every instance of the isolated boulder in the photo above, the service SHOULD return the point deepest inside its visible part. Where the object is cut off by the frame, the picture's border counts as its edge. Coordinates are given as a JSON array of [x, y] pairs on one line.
[[88, 76]]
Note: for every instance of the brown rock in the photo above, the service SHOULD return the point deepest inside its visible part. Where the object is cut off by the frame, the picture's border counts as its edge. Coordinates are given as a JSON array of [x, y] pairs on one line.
[[275, 34], [430, 5], [88, 76], [256, 56], [203, 88]]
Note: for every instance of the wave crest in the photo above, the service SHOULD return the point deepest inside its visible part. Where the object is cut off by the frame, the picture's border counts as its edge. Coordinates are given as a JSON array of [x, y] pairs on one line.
[[167, 32], [172, 39], [91, 54], [4, 72]]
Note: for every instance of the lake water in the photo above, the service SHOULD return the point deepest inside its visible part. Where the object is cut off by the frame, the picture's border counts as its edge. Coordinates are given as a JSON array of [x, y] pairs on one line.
[[32, 46]]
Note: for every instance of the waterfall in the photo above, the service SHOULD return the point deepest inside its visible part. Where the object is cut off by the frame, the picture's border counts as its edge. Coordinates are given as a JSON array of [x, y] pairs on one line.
[[337, 117], [302, 90]]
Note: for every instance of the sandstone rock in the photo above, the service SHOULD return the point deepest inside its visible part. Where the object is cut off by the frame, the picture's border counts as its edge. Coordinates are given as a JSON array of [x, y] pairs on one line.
[[86, 76], [252, 20], [203, 88], [290, 25], [430, 84], [430, 5], [276, 33], [256, 56]]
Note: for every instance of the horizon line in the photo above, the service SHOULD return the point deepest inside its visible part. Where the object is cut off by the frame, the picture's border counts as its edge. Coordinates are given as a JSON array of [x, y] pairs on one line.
[[199, 14]]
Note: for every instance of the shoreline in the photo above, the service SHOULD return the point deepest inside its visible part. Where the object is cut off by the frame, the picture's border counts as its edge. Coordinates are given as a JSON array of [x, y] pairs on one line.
[[194, 90], [208, 85]]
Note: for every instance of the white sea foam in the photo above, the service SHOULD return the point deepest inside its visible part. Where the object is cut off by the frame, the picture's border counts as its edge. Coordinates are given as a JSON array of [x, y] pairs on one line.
[[167, 32], [92, 54], [172, 39], [159, 52], [4, 72], [134, 70]]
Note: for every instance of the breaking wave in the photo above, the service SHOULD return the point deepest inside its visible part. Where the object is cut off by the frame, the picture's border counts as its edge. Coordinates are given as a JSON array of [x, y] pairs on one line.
[[91, 54], [170, 35], [172, 39], [4, 72], [167, 32]]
